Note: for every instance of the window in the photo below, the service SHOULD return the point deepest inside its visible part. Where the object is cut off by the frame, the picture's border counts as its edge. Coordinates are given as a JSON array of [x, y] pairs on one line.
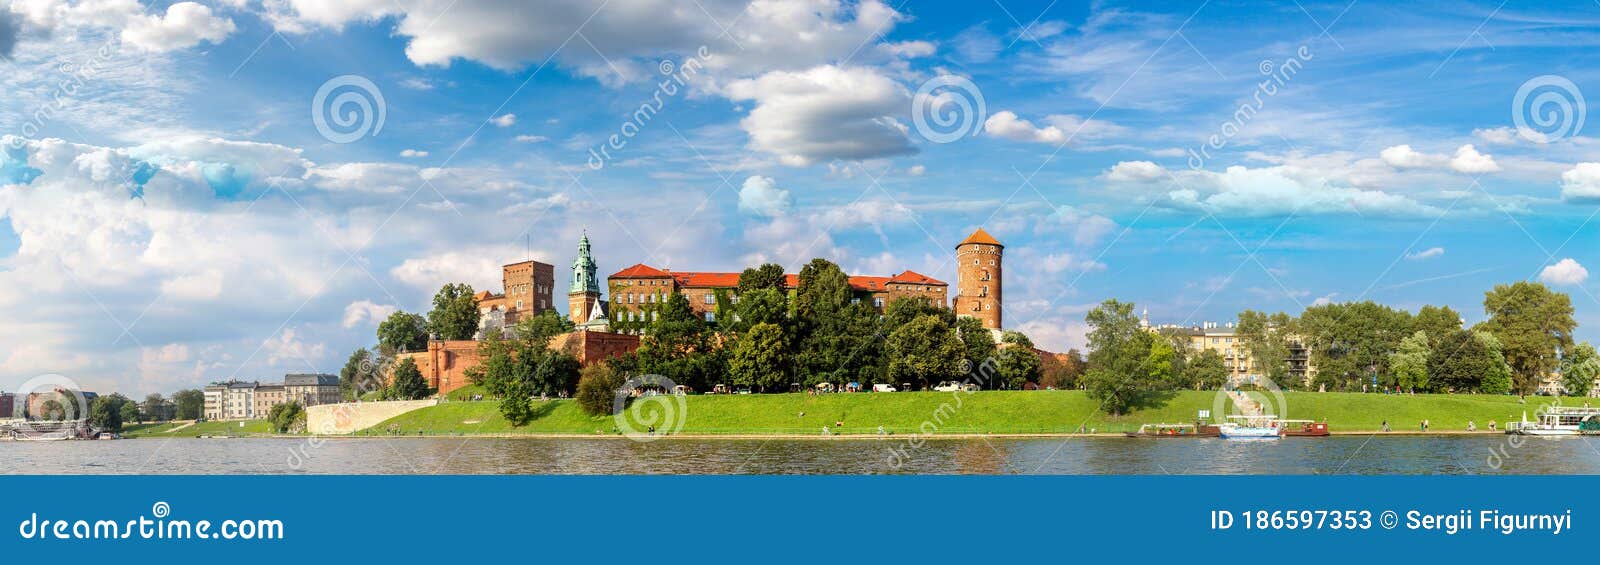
[[711, 316], [655, 316], [711, 298], [877, 302], [855, 300], [974, 261], [519, 304]]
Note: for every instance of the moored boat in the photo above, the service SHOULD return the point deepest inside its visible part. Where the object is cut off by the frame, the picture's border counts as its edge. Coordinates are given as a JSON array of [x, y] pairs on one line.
[[1263, 426], [1197, 429], [1303, 428], [1558, 421]]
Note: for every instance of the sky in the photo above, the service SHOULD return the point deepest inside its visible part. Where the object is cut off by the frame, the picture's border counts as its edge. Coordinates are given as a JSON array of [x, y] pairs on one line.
[[192, 192]]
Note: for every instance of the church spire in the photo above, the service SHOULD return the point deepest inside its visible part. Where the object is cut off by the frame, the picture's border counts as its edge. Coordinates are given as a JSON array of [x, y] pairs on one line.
[[583, 269]]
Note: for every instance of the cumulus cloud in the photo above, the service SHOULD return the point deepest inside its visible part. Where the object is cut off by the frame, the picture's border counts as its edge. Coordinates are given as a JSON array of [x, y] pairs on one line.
[[1404, 157], [476, 266], [1061, 129], [1564, 272], [184, 25], [366, 312], [1273, 191], [504, 120], [1135, 171], [288, 346], [824, 113], [1497, 136], [1581, 183], [1469, 160], [1087, 228], [761, 196], [1428, 253]]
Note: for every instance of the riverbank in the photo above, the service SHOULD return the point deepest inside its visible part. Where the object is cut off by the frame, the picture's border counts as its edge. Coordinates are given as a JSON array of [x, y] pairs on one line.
[[984, 414]]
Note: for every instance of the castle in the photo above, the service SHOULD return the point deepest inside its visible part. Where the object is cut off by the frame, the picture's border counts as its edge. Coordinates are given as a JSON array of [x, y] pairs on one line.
[[529, 289]]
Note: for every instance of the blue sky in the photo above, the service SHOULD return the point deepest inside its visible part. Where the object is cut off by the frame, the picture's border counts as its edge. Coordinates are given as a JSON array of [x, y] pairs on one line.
[[177, 216]]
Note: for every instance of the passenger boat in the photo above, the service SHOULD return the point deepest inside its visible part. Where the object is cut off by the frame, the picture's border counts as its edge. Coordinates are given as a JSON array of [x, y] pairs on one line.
[[1252, 428], [1558, 421], [1303, 428], [1197, 429]]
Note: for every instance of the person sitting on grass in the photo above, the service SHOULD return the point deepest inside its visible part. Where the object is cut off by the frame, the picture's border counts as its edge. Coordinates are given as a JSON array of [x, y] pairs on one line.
[[1472, 426]]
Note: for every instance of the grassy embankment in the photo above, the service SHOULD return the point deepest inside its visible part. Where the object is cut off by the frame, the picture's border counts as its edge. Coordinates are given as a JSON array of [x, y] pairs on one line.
[[183, 429], [993, 412]]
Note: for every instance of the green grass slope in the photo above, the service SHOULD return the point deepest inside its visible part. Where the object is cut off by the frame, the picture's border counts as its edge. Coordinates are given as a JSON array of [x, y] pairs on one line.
[[999, 412]]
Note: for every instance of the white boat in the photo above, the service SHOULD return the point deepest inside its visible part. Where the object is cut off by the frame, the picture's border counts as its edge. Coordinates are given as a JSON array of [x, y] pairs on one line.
[[1260, 427], [1558, 421]]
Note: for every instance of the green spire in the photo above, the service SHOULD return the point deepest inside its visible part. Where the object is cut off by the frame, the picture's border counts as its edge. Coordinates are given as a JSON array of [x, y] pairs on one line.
[[583, 269]]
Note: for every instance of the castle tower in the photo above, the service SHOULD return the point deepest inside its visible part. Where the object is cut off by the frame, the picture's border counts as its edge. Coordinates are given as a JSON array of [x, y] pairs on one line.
[[978, 278], [583, 298]]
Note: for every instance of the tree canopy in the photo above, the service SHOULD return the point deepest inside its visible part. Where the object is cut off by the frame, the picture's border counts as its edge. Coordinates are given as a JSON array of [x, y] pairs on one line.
[[1534, 325], [455, 312]]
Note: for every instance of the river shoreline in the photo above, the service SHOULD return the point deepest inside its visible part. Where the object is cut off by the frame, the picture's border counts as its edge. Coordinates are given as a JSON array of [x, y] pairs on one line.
[[813, 437]]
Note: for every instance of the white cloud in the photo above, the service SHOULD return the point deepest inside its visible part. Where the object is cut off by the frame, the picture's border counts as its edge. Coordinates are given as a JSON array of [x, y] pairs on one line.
[[762, 197], [1581, 183], [1403, 157], [917, 170], [1135, 171], [1006, 124], [1087, 228], [476, 266], [504, 120], [413, 153], [366, 312], [824, 113], [1497, 136], [185, 25], [1564, 272], [1469, 160], [288, 348], [1428, 253], [525, 138], [1281, 190], [866, 213]]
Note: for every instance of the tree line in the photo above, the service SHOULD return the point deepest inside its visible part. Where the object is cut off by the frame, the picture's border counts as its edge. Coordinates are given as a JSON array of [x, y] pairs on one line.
[[1526, 335]]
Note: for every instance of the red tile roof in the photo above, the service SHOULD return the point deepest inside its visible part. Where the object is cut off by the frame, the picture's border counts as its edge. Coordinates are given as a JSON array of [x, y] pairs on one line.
[[913, 277], [980, 236], [639, 270]]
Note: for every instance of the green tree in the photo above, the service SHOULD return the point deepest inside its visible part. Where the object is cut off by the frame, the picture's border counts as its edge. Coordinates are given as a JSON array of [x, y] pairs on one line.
[[1207, 370], [838, 339], [768, 276], [1018, 362], [402, 332], [760, 358], [541, 328], [1350, 342], [924, 350], [1534, 325], [358, 369], [1462, 360], [1498, 379], [287, 416], [155, 408], [1409, 363], [407, 382], [977, 342], [1579, 368], [761, 306], [130, 412], [1266, 339], [597, 388], [106, 412], [190, 403], [1440, 323], [455, 312], [1118, 351]]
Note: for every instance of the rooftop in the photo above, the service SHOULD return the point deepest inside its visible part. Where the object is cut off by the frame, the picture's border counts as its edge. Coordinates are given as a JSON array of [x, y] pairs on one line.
[[691, 279]]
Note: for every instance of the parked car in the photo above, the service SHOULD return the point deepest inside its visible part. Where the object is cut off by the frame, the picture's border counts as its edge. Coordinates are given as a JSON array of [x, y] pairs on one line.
[[883, 388], [947, 386]]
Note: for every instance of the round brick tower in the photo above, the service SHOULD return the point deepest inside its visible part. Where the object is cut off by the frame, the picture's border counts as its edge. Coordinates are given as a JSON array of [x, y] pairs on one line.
[[978, 278]]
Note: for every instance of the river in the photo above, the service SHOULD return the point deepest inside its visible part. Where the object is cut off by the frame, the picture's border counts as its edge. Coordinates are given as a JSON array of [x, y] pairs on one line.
[[1336, 455]]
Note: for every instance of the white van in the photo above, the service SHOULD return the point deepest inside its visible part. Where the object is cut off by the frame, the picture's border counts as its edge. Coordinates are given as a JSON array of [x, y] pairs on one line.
[[883, 388]]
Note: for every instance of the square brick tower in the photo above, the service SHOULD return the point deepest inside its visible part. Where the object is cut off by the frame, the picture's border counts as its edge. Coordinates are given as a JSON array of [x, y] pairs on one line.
[[978, 278]]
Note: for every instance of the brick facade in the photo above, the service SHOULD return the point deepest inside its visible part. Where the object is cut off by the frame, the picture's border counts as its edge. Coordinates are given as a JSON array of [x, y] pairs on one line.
[[978, 268], [528, 289], [444, 365], [634, 288]]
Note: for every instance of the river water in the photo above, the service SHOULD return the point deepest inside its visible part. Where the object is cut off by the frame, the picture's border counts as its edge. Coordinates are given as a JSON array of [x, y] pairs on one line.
[[1488, 454]]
